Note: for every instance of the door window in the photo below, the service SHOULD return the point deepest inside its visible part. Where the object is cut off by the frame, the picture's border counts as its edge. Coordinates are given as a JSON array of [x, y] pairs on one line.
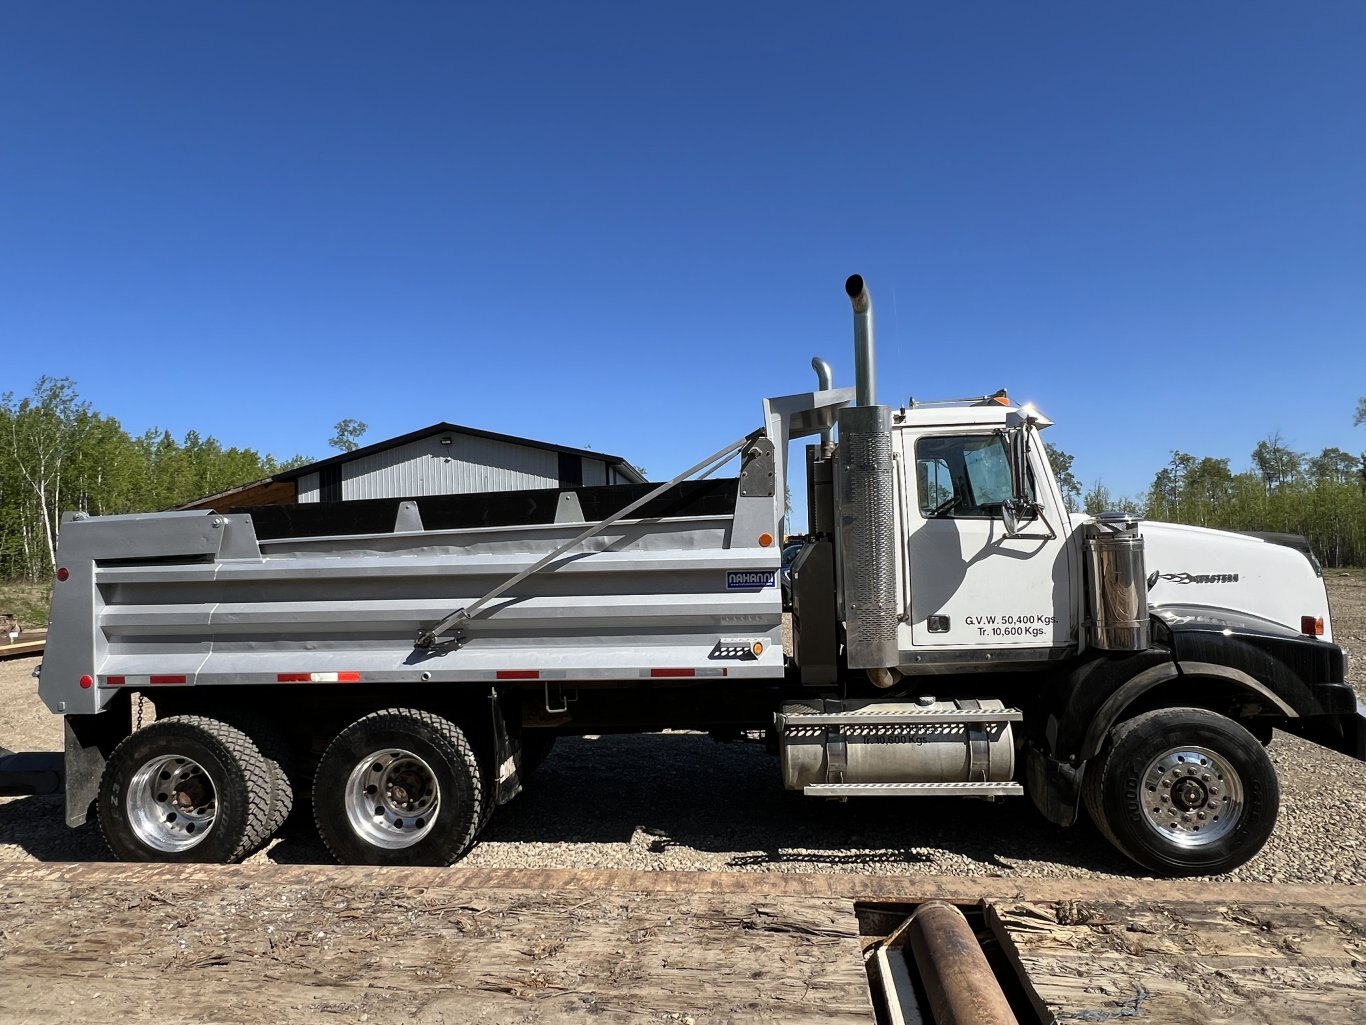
[[965, 476]]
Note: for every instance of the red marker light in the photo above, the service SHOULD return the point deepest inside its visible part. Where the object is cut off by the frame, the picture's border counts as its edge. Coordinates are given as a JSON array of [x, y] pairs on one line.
[[62, 573], [87, 682]]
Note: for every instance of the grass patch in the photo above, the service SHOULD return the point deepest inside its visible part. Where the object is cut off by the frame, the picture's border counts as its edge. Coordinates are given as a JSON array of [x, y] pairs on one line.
[[29, 601]]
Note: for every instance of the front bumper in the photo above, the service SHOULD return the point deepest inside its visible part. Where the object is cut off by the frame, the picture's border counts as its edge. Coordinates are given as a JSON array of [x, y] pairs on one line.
[[1343, 731]]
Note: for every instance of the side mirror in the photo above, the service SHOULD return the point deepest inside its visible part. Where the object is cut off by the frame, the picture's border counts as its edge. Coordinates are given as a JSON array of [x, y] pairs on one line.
[[1019, 463], [1008, 516], [1017, 446]]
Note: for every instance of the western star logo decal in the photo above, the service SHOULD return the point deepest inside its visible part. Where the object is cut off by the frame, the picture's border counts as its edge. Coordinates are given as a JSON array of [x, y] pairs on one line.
[[751, 579], [1201, 578]]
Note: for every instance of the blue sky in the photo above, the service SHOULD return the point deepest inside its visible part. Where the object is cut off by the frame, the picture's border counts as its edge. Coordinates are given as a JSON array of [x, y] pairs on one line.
[[621, 225]]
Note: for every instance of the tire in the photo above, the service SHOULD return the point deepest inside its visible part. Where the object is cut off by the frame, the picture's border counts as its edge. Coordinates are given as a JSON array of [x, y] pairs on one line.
[[275, 749], [399, 787], [185, 789], [1183, 791]]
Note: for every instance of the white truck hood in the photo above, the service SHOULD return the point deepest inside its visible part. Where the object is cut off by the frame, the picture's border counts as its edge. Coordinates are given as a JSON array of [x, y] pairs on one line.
[[1219, 569]]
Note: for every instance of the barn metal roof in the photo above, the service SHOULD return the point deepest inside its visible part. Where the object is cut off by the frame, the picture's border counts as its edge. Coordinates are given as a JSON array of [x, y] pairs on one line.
[[623, 467]]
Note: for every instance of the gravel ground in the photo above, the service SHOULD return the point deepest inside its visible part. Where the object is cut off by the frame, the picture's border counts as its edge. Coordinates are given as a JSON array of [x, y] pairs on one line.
[[681, 801]]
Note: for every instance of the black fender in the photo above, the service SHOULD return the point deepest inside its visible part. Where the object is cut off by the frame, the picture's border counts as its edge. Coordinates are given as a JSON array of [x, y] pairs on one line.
[[1253, 670], [1231, 663]]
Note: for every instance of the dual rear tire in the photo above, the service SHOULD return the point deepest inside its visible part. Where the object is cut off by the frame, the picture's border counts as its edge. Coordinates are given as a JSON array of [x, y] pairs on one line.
[[187, 789], [399, 786]]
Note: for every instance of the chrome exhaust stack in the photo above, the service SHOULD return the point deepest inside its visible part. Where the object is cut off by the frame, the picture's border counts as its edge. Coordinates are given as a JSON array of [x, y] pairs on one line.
[[825, 380], [865, 359], [865, 493]]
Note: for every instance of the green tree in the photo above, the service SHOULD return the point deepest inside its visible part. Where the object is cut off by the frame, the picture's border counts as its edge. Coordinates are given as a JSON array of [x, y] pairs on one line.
[[1275, 462], [57, 454], [348, 433], [1062, 470], [1334, 466], [43, 430], [1097, 499]]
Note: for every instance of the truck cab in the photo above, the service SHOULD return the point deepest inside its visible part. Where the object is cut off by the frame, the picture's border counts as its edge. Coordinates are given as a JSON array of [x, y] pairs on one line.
[[975, 591], [993, 643]]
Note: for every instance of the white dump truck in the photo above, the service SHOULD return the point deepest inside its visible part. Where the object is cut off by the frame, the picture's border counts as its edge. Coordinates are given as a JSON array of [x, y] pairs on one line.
[[955, 631]]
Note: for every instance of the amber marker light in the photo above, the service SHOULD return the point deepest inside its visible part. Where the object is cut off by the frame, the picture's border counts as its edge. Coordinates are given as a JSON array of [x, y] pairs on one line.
[[758, 648], [765, 540]]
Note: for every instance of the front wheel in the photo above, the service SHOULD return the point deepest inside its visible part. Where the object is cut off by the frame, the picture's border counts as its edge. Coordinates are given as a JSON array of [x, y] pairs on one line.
[[399, 787], [1183, 791]]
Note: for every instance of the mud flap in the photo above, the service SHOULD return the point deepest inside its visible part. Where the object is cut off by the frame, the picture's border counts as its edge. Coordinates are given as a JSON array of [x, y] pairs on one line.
[[1054, 786], [89, 741], [507, 754]]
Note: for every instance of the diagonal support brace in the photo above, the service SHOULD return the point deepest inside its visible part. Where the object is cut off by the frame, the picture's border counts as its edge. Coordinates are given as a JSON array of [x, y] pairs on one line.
[[427, 638]]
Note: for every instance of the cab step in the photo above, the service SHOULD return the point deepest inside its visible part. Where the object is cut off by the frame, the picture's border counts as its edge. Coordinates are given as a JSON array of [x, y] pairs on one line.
[[913, 790], [901, 716]]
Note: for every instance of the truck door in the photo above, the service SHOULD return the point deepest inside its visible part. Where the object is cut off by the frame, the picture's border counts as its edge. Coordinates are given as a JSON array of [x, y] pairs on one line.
[[975, 593]]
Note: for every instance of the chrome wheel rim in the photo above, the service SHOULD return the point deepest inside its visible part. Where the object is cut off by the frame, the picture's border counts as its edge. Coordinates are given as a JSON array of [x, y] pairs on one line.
[[392, 799], [172, 803], [1192, 796]]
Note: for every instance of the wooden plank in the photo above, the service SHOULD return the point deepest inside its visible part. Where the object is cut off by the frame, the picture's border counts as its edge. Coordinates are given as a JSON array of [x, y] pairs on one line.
[[1189, 963], [907, 889], [182, 951], [30, 642]]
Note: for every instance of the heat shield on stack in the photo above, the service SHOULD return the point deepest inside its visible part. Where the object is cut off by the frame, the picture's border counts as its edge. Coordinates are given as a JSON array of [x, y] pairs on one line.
[[867, 525]]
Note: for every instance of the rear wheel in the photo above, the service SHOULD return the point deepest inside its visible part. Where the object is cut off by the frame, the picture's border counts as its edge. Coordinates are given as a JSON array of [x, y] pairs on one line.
[[274, 746], [1183, 791], [399, 787], [188, 789]]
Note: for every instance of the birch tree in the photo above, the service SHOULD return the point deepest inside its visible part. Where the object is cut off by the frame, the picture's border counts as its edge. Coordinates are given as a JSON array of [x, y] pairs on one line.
[[44, 430]]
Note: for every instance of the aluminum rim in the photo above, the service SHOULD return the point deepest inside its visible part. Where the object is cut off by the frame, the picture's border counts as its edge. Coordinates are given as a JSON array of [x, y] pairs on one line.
[[392, 799], [1192, 796], [172, 803]]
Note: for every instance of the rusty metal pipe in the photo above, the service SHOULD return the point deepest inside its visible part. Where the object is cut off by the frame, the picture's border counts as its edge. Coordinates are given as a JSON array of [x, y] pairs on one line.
[[959, 982]]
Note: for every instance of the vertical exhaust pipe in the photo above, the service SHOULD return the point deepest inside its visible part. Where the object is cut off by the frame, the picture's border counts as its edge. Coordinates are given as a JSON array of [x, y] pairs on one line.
[[825, 379], [866, 511], [865, 358]]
